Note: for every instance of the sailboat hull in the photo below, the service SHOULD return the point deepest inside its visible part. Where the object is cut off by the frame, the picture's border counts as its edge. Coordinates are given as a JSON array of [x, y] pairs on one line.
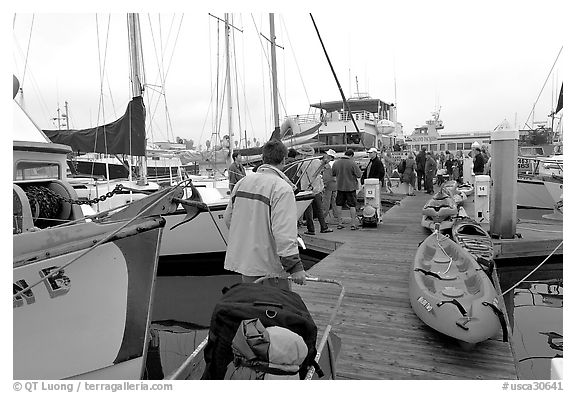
[[198, 246], [91, 319]]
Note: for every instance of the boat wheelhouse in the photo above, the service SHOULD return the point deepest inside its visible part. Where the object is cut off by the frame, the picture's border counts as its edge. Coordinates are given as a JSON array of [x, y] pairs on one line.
[[376, 121]]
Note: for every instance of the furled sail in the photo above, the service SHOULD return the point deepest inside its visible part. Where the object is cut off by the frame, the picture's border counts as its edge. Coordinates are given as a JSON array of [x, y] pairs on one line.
[[560, 100], [127, 135]]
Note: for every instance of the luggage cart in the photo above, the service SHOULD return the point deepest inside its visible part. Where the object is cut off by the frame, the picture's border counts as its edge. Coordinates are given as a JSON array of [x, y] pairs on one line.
[[325, 341]]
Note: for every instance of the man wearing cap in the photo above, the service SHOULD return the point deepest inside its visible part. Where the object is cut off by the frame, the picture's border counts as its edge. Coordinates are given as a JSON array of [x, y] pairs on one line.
[[375, 168], [329, 194], [311, 179]]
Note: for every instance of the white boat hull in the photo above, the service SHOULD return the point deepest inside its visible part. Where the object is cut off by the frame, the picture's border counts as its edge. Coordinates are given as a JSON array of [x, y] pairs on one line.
[[203, 239], [91, 320], [533, 193]]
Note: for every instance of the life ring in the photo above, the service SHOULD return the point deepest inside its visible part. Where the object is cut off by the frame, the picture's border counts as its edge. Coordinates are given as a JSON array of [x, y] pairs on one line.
[[289, 128]]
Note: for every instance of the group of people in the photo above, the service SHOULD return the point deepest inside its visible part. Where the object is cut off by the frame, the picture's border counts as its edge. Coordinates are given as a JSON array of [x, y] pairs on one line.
[[419, 170]]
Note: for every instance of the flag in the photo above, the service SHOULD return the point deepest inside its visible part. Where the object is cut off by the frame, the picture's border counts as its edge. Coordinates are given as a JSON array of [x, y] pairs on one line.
[[560, 100]]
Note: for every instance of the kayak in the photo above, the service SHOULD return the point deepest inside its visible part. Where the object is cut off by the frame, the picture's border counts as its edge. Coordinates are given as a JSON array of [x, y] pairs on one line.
[[466, 188], [451, 187], [439, 210], [476, 240], [450, 293]]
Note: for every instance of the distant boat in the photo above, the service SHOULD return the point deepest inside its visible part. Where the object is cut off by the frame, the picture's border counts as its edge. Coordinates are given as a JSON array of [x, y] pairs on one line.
[[333, 127]]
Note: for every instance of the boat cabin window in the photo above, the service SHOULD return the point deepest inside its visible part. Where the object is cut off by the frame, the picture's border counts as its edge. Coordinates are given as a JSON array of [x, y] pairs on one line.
[[451, 146], [433, 147], [442, 147], [26, 170], [467, 145], [460, 146]]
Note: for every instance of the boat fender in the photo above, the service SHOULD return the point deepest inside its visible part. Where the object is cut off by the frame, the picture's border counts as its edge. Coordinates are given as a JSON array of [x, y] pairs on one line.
[[456, 303], [500, 316]]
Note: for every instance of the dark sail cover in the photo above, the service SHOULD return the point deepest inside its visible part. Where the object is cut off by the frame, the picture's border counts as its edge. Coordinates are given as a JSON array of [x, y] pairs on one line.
[[117, 134], [560, 100]]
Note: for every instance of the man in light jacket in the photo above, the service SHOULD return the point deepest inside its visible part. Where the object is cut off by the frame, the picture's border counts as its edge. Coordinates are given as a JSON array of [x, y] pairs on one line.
[[261, 217]]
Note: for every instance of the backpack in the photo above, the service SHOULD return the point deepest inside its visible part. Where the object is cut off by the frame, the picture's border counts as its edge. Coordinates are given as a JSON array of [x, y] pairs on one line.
[[402, 166], [272, 306]]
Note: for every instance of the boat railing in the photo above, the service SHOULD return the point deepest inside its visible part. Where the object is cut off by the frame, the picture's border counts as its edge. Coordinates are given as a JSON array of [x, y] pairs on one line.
[[334, 116], [304, 118]]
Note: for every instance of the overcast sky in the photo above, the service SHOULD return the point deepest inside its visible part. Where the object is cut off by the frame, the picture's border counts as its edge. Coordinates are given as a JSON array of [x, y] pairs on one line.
[[481, 62]]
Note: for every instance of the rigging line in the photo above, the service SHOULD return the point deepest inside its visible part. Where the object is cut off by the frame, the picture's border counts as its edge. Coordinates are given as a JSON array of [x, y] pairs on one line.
[[27, 49], [236, 81], [100, 98], [43, 105], [170, 64], [262, 67], [337, 82], [243, 79], [160, 74], [533, 270], [215, 124], [295, 60], [541, 90]]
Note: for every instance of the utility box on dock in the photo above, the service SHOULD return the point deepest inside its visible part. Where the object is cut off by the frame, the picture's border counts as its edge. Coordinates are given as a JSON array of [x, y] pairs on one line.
[[372, 213], [482, 198]]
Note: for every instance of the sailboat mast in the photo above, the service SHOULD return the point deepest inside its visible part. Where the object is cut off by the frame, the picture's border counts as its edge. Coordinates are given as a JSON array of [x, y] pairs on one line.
[[136, 77], [228, 88], [274, 75]]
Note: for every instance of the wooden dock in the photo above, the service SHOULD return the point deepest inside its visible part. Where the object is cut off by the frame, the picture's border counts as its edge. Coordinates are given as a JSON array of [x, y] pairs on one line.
[[382, 338]]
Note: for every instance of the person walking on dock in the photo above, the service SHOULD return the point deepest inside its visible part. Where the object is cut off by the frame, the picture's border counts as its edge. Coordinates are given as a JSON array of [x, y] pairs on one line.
[[329, 195], [449, 165], [264, 203], [409, 175], [347, 174], [420, 167], [430, 172], [236, 170], [389, 165], [312, 180]]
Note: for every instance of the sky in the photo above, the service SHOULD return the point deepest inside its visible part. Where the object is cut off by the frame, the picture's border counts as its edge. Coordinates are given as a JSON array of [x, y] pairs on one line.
[[478, 62]]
